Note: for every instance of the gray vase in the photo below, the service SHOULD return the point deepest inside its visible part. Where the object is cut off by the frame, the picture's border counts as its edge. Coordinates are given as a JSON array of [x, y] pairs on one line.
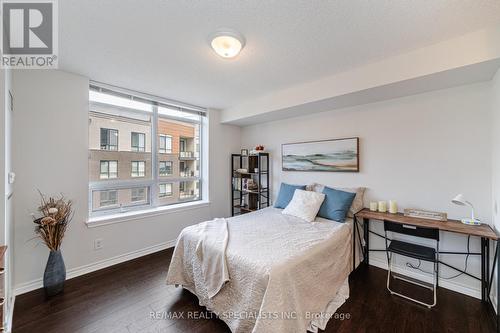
[[55, 274]]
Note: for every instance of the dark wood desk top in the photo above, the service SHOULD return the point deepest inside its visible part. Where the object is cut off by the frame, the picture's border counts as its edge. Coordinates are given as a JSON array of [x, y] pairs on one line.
[[483, 230]]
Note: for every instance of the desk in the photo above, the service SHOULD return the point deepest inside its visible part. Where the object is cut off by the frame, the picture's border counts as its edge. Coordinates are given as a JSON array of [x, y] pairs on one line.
[[484, 231]]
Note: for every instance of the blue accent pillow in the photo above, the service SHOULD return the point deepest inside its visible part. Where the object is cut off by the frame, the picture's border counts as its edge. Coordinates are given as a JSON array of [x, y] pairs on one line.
[[336, 204], [286, 194]]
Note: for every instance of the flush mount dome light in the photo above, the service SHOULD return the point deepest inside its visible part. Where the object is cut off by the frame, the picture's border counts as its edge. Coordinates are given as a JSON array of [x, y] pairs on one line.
[[227, 44]]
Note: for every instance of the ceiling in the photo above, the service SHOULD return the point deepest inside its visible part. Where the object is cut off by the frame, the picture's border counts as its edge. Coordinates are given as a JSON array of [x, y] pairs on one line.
[[161, 47]]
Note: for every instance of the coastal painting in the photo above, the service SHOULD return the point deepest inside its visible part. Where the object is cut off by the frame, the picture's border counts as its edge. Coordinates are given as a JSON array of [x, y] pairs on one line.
[[338, 155]]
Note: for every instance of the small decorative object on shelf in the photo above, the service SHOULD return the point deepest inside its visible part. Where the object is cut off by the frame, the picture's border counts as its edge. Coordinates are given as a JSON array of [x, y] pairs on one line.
[[259, 148], [244, 152], [50, 228], [250, 182], [426, 214], [373, 206], [393, 207], [256, 150], [382, 206]]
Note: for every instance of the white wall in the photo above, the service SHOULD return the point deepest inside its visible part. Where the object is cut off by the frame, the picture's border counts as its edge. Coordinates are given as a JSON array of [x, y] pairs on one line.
[[420, 150], [51, 142], [496, 148], [495, 175], [7, 220]]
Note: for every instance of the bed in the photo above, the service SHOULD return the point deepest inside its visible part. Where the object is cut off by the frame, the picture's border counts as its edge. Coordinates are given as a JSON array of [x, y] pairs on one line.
[[276, 273]]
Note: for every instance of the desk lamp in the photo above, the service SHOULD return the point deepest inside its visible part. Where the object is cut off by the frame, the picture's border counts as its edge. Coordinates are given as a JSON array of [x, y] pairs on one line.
[[461, 201]]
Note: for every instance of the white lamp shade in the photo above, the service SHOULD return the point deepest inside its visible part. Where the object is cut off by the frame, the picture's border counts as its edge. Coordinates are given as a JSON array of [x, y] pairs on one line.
[[459, 200], [227, 44]]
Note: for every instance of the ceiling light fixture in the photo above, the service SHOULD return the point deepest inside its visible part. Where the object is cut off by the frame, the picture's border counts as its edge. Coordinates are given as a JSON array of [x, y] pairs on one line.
[[227, 44]]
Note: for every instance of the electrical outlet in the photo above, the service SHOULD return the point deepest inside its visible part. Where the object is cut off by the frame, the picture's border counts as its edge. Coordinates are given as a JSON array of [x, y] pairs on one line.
[[97, 244]]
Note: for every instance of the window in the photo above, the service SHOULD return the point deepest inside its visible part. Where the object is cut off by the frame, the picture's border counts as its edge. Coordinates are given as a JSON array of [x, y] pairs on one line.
[[108, 198], [138, 141], [138, 194], [155, 127], [138, 168], [182, 145], [189, 190], [165, 168], [165, 190], [165, 144], [109, 169], [109, 139]]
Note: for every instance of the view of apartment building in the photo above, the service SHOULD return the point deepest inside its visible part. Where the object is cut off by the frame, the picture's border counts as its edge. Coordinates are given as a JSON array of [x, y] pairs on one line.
[[120, 152]]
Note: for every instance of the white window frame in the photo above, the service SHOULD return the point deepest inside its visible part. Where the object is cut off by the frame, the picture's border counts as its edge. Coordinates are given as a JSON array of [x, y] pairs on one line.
[[182, 144], [107, 192], [165, 194], [108, 138], [166, 164], [138, 148], [108, 167], [134, 202], [138, 171], [168, 148], [153, 205]]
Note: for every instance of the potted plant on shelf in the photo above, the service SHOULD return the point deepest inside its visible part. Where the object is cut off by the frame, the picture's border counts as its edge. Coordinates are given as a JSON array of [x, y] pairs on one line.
[[258, 149], [50, 228]]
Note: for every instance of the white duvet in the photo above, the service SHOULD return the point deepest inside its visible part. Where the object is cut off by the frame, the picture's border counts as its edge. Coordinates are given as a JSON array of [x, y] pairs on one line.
[[285, 274]]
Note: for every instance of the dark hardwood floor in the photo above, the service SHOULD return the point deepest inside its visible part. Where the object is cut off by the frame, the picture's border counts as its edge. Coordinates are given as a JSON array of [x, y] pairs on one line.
[[123, 297]]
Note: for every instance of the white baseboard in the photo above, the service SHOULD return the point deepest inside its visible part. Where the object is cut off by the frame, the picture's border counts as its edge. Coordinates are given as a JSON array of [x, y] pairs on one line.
[[85, 269], [10, 315], [494, 302], [460, 288]]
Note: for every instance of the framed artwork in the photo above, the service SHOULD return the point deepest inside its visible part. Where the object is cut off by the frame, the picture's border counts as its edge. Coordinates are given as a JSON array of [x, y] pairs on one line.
[[337, 155]]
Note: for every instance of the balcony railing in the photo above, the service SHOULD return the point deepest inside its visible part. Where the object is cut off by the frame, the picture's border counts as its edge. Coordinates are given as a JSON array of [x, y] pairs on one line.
[[188, 154], [187, 173], [186, 195]]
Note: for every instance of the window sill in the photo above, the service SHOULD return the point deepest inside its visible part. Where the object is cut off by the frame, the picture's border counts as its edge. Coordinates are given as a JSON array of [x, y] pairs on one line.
[[93, 222]]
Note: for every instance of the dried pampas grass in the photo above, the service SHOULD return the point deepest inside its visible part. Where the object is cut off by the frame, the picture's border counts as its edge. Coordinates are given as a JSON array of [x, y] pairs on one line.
[[56, 214]]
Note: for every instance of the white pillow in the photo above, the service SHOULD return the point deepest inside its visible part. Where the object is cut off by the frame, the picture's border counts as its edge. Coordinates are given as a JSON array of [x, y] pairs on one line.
[[305, 205], [357, 203]]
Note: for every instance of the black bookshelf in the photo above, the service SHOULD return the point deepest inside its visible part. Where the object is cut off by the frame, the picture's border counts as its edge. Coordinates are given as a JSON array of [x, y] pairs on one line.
[[249, 190]]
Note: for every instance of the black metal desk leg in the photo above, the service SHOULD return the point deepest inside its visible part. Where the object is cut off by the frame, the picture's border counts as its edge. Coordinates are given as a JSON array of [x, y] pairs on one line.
[[366, 236], [484, 273], [482, 269], [487, 269]]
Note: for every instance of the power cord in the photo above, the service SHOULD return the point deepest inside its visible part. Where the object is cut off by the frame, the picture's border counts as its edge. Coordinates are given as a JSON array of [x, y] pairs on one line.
[[417, 267]]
